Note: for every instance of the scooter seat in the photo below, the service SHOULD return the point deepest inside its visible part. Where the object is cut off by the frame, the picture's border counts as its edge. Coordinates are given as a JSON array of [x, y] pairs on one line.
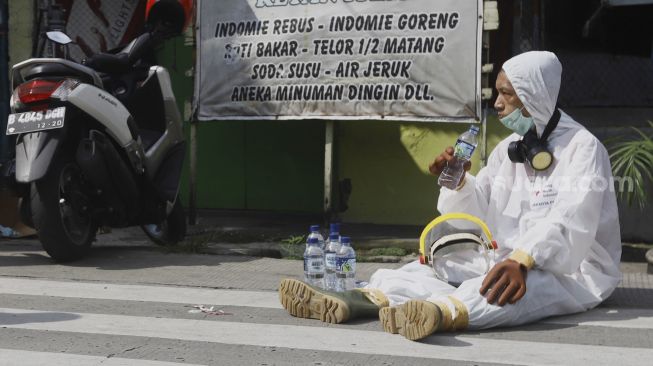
[[53, 70]]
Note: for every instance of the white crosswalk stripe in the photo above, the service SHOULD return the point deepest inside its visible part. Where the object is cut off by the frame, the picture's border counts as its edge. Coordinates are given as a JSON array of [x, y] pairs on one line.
[[168, 294], [603, 317], [330, 339], [9, 357], [477, 349]]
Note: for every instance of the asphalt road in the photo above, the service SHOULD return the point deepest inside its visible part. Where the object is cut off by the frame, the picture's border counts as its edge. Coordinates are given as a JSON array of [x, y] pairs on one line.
[[130, 303]]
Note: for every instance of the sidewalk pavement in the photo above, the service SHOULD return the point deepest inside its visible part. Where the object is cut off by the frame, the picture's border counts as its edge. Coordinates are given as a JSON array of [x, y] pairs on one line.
[[266, 234], [241, 251], [262, 234]]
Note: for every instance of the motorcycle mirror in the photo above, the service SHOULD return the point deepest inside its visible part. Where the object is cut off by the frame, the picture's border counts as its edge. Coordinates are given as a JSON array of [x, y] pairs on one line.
[[58, 37]]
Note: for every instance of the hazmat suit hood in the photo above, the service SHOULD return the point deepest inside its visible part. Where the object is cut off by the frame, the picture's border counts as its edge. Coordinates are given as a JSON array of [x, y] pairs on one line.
[[536, 76]]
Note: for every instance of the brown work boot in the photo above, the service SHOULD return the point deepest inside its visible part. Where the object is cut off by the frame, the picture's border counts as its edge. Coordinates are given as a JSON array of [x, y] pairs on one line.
[[305, 301], [415, 319]]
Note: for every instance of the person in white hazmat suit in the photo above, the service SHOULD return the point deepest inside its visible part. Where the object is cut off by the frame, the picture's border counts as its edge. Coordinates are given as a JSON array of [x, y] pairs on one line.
[[558, 253]]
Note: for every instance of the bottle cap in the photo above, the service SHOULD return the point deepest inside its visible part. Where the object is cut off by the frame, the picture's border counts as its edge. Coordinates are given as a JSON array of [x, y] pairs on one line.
[[345, 240], [334, 237], [474, 128], [334, 227], [312, 240], [315, 228]]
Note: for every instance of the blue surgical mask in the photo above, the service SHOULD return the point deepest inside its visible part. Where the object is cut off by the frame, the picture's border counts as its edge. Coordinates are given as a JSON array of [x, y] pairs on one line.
[[517, 122]]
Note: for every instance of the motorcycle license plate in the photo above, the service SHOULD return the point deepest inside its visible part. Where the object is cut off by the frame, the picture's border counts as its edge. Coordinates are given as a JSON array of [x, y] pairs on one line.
[[26, 122]]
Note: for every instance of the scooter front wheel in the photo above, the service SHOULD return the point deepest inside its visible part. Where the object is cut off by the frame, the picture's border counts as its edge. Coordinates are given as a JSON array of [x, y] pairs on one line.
[[172, 230], [60, 211]]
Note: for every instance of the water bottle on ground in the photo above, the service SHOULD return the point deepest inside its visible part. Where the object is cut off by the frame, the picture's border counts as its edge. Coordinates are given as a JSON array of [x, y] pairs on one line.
[[314, 263], [345, 265], [330, 252], [465, 145], [315, 233], [334, 228]]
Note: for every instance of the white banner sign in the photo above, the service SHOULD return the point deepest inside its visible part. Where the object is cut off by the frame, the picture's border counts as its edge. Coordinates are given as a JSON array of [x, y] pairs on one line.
[[339, 59]]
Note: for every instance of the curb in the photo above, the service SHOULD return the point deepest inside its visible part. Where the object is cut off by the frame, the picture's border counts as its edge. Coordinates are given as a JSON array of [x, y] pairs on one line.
[[279, 251], [261, 249], [636, 253]]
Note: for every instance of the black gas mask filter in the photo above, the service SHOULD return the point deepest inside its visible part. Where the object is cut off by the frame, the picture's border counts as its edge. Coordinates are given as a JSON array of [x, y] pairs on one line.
[[532, 149]]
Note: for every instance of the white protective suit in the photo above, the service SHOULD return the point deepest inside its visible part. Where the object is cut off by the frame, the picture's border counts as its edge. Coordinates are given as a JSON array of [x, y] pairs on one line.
[[563, 221]]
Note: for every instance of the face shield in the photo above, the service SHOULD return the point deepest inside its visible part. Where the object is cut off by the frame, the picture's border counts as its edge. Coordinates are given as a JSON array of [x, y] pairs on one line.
[[458, 246]]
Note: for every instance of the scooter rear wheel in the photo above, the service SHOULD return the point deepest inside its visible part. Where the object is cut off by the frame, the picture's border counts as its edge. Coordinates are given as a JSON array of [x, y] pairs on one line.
[[60, 211]]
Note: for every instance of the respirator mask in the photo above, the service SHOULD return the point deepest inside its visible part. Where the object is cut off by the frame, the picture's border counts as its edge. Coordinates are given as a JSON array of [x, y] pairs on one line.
[[532, 149]]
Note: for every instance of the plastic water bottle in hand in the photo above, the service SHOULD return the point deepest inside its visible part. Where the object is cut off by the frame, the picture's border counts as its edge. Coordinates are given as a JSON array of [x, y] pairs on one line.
[[315, 233], [330, 252], [465, 146], [346, 265], [314, 263]]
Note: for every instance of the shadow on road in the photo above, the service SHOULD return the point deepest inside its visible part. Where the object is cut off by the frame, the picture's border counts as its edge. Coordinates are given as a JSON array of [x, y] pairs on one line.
[[7, 319], [111, 255], [632, 297]]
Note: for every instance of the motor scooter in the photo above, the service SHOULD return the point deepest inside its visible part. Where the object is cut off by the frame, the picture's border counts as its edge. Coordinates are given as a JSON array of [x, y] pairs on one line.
[[98, 143]]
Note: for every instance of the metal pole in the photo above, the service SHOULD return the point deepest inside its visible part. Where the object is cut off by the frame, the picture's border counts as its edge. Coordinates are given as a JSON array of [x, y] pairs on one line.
[[490, 23], [485, 86], [192, 200], [328, 168]]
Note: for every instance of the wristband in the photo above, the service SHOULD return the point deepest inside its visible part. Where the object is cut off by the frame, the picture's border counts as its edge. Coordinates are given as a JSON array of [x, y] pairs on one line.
[[522, 258]]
